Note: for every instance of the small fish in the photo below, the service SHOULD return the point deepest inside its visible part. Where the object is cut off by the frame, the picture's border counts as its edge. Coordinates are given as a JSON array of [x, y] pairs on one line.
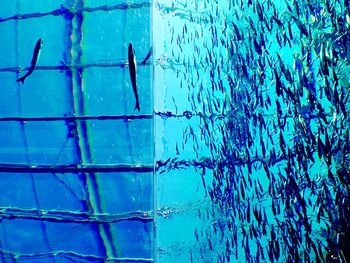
[[237, 32], [248, 212], [257, 46], [132, 70], [147, 57], [36, 54], [278, 83], [278, 21], [321, 148], [259, 10], [301, 26], [279, 109]]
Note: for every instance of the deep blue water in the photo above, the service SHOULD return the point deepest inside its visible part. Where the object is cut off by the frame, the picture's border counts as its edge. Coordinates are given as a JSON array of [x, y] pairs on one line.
[[77, 171], [239, 153]]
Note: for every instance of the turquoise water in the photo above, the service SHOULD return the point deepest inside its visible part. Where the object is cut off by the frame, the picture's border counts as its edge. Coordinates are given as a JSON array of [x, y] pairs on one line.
[[239, 153], [254, 147]]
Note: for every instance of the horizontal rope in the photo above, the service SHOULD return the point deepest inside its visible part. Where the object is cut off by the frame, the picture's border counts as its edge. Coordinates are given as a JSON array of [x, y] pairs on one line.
[[77, 118], [75, 168], [73, 11], [65, 67], [73, 216], [72, 255]]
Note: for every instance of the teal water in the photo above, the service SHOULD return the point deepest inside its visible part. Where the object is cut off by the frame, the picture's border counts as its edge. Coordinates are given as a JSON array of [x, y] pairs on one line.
[[239, 153], [254, 147]]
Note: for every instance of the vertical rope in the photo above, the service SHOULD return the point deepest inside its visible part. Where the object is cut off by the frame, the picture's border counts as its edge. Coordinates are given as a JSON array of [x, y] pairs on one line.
[[90, 180]]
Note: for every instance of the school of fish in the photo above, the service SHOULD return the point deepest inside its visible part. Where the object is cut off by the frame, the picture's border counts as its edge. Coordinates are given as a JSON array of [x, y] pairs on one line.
[[269, 88]]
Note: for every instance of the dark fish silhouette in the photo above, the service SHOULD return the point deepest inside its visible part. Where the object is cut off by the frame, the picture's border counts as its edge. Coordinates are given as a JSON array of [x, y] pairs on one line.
[[132, 70], [36, 54], [147, 57]]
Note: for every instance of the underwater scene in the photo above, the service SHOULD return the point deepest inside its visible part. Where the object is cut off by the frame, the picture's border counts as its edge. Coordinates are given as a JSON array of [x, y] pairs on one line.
[[174, 131], [253, 157]]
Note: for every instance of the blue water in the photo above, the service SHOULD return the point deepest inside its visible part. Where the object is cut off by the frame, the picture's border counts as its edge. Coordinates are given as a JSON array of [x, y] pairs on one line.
[[240, 152], [77, 170]]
